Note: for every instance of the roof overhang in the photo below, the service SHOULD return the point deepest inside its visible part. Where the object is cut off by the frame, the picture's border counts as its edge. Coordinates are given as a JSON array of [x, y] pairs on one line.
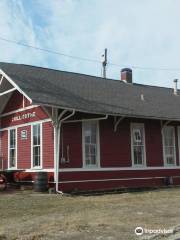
[[7, 87], [110, 114]]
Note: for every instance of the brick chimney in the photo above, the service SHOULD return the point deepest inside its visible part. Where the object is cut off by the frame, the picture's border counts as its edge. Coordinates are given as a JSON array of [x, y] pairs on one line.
[[126, 75]]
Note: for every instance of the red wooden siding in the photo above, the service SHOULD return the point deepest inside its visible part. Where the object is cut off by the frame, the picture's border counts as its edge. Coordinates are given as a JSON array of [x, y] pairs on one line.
[[16, 102], [72, 135], [71, 181], [154, 150], [4, 147], [48, 145], [24, 145], [115, 148], [24, 149]]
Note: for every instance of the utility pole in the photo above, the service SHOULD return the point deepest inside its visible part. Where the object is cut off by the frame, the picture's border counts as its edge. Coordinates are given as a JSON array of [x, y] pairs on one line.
[[104, 62]]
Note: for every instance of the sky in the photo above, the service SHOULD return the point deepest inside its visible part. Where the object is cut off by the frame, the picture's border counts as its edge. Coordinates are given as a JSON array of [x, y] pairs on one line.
[[137, 33]]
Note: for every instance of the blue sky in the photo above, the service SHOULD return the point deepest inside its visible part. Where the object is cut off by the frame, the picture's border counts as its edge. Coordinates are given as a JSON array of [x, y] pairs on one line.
[[136, 32]]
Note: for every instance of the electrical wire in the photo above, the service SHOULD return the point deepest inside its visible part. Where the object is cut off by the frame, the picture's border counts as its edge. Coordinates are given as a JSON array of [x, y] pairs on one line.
[[148, 68], [48, 50], [86, 59]]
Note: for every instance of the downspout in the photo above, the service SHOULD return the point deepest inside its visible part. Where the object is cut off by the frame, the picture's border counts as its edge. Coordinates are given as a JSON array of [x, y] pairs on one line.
[[58, 137], [55, 120]]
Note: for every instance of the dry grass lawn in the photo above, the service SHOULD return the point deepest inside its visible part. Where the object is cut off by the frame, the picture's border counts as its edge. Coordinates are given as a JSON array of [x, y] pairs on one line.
[[31, 216]]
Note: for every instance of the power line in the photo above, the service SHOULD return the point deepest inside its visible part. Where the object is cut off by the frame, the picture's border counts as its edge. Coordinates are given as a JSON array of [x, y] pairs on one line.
[[49, 51], [148, 68], [87, 59]]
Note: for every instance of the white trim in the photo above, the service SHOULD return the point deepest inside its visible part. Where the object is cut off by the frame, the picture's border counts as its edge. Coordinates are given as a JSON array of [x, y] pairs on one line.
[[97, 146], [117, 169], [174, 136], [178, 128], [41, 152], [1, 79], [8, 91], [23, 102], [138, 125], [104, 180], [19, 110], [32, 170], [98, 169], [111, 179], [16, 149], [26, 124], [54, 143], [39, 170], [15, 85]]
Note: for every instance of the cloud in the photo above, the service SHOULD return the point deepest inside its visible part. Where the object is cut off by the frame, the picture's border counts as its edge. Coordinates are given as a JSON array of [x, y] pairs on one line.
[[136, 33]]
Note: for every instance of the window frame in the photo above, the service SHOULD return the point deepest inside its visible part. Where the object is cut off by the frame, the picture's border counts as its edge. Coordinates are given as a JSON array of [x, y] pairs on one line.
[[9, 130], [97, 165], [32, 147], [178, 132], [163, 146], [140, 126]]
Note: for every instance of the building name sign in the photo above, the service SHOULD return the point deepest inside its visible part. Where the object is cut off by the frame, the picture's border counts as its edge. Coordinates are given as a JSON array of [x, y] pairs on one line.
[[23, 116]]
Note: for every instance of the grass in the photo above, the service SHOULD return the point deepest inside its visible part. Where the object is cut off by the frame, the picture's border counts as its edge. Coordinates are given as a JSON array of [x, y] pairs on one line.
[[30, 216]]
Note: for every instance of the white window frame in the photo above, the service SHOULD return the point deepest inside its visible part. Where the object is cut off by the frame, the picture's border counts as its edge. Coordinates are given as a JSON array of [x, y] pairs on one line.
[[41, 146], [97, 165], [178, 143], [164, 156], [15, 167], [134, 126], [1, 159]]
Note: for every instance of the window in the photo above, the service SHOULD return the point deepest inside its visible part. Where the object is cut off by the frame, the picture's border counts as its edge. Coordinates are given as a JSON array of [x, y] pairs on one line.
[[12, 148], [90, 132], [138, 144], [1, 158], [169, 148], [36, 145]]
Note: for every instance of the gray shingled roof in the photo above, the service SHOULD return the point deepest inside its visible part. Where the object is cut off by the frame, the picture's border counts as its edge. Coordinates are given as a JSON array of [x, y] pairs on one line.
[[93, 94]]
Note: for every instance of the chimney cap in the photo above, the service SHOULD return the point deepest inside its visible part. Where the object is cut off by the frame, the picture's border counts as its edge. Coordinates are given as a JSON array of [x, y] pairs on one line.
[[126, 70]]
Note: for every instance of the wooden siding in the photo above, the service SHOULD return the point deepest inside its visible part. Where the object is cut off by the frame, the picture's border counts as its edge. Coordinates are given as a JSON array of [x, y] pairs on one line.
[[115, 147], [4, 148], [48, 145], [71, 134], [16, 102]]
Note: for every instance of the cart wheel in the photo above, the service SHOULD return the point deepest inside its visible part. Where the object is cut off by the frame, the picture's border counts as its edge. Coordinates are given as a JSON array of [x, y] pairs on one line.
[[3, 183]]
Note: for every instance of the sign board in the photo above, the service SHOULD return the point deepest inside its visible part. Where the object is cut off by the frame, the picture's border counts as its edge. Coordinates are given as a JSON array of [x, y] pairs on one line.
[[23, 134], [23, 116]]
